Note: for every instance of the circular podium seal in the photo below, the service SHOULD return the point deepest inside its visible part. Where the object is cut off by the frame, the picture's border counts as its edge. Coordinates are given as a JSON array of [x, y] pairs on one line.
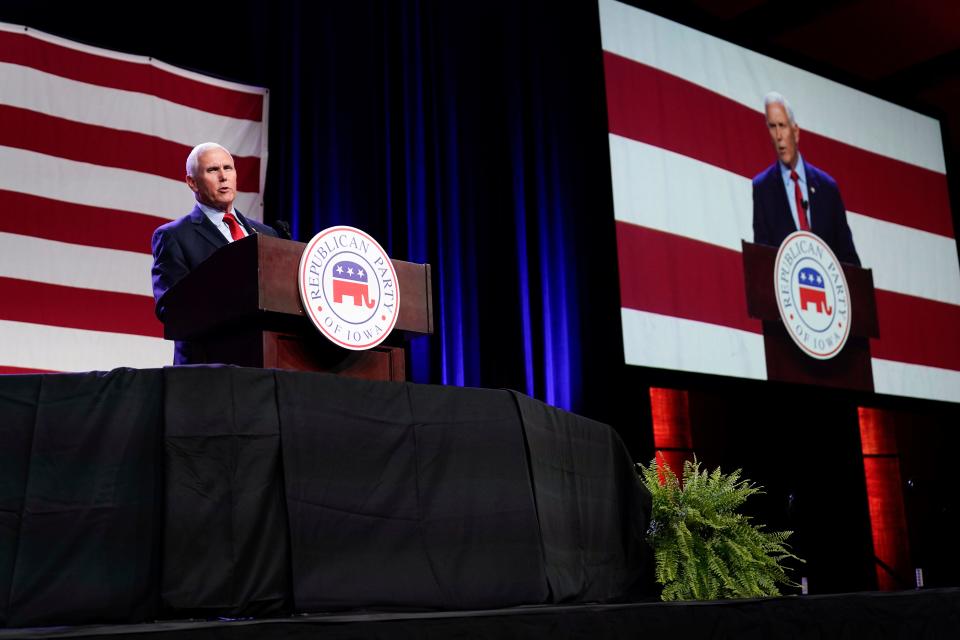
[[348, 287], [812, 295]]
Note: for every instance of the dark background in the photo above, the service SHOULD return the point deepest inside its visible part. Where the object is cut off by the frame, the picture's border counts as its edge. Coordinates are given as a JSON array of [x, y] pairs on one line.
[[472, 135]]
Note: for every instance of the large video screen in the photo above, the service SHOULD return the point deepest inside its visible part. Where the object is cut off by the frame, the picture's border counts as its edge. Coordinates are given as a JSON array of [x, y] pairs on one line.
[[759, 206]]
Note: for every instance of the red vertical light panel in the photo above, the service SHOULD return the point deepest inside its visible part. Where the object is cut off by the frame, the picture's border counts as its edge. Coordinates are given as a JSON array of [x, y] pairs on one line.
[[672, 438], [888, 522]]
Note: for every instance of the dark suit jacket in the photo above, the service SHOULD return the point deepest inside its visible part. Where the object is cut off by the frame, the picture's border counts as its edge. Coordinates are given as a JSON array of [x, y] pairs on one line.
[[178, 247], [772, 221]]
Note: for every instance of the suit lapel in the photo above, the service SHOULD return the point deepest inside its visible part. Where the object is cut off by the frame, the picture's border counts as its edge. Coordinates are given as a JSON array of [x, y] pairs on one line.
[[780, 197], [206, 229]]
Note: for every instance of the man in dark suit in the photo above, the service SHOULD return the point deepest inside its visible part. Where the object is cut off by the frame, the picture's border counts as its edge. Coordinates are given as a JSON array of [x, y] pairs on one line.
[[792, 194], [181, 245]]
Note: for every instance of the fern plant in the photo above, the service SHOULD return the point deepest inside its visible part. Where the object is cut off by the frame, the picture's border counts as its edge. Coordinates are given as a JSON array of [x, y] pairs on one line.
[[704, 549]]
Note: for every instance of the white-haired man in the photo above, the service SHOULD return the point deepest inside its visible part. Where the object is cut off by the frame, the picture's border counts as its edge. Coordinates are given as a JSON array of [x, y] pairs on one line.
[[181, 245], [792, 194]]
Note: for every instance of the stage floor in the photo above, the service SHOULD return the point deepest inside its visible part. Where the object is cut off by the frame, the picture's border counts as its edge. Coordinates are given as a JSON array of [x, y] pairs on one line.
[[933, 613]]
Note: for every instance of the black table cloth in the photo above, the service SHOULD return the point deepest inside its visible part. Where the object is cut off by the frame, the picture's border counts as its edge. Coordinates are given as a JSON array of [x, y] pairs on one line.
[[134, 495]]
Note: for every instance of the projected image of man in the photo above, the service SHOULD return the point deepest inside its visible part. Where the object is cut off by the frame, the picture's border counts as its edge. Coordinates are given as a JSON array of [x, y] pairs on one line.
[[793, 194]]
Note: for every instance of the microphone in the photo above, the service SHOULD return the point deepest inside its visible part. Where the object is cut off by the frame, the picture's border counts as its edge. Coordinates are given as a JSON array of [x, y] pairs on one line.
[[283, 228], [246, 226], [804, 204]]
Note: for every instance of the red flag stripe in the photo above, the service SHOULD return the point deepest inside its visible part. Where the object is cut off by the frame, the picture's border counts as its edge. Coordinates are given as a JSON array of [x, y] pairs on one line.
[[652, 106], [33, 131], [672, 275], [4, 370], [59, 306], [31, 51], [675, 276], [917, 330], [30, 215]]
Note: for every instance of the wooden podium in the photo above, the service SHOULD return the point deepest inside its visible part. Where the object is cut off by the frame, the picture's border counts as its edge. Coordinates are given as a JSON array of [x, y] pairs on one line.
[[849, 369], [241, 306]]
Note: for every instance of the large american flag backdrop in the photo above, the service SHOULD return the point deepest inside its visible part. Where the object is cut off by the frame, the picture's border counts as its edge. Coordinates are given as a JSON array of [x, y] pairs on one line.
[[92, 152], [687, 134]]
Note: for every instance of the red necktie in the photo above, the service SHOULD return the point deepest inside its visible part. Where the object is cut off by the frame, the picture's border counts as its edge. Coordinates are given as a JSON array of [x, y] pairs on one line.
[[801, 211], [235, 231]]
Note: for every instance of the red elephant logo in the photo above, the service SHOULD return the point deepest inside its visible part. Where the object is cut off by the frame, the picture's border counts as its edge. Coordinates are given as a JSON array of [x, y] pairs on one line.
[[812, 291], [349, 279]]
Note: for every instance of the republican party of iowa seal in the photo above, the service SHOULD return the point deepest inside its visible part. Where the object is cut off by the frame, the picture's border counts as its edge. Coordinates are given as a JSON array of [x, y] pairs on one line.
[[812, 295], [348, 287]]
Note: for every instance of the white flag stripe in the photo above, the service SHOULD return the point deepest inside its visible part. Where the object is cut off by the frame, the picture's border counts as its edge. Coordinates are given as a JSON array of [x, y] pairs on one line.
[[28, 88], [903, 258], [821, 105], [129, 57], [915, 381], [74, 265], [33, 346], [106, 187], [264, 146], [667, 191], [670, 192], [654, 340]]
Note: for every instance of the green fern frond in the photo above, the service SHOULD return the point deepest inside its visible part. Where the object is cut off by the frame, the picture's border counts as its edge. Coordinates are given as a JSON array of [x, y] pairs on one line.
[[704, 549]]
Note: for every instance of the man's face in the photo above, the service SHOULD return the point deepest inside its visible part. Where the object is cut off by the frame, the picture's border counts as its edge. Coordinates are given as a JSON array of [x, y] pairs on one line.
[[784, 134], [215, 184]]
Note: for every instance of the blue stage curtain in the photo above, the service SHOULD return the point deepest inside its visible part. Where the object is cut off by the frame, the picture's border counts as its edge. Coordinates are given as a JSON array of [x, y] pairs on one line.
[[470, 136]]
